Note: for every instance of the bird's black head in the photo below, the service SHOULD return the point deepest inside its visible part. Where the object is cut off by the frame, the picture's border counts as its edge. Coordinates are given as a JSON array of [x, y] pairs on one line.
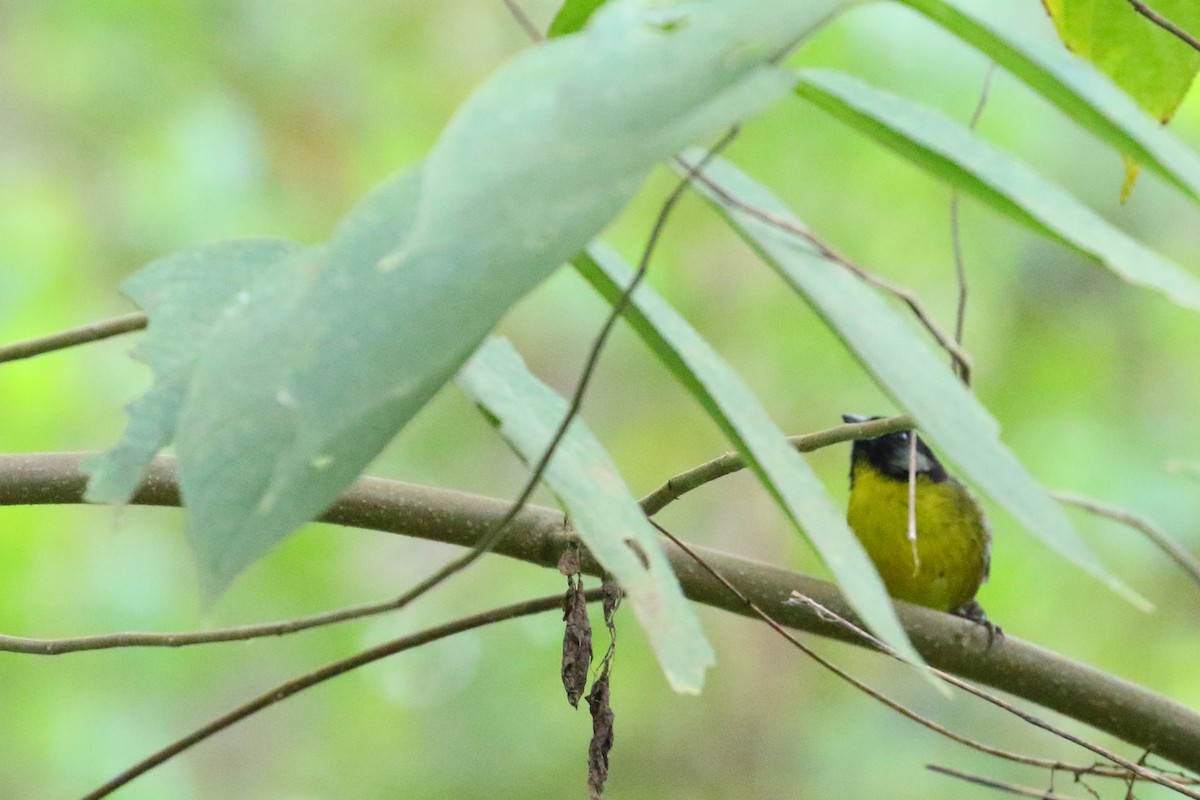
[[889, 454]]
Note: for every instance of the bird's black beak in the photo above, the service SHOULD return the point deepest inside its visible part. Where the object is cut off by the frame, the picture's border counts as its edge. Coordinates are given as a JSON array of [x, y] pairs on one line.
[[853, 418]]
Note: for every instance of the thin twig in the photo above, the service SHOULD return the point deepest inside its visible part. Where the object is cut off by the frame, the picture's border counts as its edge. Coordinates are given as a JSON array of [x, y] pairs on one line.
[[1165, 24], [296, 685], [1051, 764], [729, 463], [991, 783], [1133, 767], [54, 647], [75, 336], [903, 293], [960, 271], [1183, 558], [523, 20]]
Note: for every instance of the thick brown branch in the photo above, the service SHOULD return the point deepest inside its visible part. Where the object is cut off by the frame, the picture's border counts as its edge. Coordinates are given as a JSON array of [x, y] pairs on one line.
[[1129, 712]]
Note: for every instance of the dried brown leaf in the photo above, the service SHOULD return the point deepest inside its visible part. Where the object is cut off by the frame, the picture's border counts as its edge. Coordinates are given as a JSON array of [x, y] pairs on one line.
[[577, 641]]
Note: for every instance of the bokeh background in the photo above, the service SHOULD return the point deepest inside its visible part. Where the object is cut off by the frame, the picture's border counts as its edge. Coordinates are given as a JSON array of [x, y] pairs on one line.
[[130, 128]]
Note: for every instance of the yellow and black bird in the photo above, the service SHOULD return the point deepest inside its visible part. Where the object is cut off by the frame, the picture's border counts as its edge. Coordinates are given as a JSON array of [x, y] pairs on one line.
[[950, 557]]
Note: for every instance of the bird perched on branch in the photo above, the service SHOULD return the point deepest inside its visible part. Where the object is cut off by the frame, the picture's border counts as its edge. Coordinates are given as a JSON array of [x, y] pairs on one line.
[[940, 561]]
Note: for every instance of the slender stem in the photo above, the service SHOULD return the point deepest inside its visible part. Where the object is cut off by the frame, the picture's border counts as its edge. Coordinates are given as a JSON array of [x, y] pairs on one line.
[[75, 336], [903, 293], [960, 271], [1189, 563], [991, 783], [1129, 712], [523, 20], [1165, 24], [729, 463], [297, 685]]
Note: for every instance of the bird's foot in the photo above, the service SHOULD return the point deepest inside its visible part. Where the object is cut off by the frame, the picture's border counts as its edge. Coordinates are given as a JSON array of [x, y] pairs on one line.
[[974, 612]]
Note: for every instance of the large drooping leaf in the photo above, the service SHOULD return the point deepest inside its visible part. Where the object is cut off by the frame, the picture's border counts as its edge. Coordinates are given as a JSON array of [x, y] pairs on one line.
[[731, 404], [953, 153], [608, 518], [1081, 91], [296, 390], [1154, 66], [183, 294], [901, 362]]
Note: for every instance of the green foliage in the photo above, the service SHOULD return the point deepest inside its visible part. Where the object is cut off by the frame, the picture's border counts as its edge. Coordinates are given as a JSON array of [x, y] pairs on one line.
[[297, 390], [598, 504], [953, 154], [1153, 66], [1079, 90], [184, 294], [733, 406], [1150, 64], [573, 15], [902, 364], [102, 167]]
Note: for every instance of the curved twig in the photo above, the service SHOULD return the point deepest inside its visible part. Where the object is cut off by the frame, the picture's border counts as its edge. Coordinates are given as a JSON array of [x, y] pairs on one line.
[[731, 462], [297, 685], [1165, 24], [92, 332], [1188, 562]]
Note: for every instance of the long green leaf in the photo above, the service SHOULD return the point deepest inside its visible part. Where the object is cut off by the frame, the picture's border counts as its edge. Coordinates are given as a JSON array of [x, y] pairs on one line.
[[295, 390], [1076, 87], [902, 364], [951, 152], [600, 506], [782, 470]]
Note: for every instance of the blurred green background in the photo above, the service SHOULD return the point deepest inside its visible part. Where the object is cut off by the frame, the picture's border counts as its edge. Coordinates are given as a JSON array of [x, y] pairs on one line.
[[129, 129]]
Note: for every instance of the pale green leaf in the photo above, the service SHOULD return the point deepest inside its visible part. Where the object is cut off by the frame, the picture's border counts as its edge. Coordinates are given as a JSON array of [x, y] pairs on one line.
[[607, 517], [297, 390], [184, 295], [953, 153], [782, 470]]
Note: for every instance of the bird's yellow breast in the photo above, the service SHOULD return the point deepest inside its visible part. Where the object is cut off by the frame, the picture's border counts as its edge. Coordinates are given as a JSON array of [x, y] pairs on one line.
[[952, 537]]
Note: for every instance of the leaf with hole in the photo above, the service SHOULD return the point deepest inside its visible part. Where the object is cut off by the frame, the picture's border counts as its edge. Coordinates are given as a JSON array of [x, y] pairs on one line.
[[608, 518]]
